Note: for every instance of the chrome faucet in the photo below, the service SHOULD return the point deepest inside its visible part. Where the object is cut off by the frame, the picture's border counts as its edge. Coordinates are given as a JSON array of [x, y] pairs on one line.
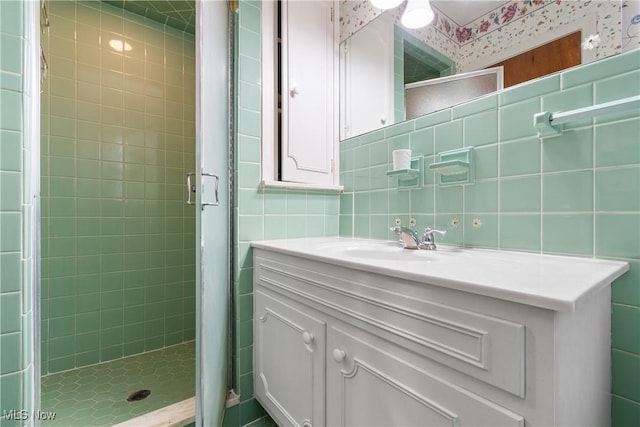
[[408, 236], [411, 240]]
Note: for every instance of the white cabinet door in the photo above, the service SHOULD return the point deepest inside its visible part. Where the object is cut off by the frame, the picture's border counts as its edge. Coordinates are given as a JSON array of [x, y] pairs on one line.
[[289, 352], [367, 95], [369, 385], [308, 92]]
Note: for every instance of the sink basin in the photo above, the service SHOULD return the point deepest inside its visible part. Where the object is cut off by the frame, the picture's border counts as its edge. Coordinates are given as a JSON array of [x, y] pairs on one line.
[[390, 251], [546, 281]]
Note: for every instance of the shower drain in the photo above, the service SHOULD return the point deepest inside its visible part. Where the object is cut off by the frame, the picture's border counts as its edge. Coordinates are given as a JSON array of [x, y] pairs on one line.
[[138, 395]]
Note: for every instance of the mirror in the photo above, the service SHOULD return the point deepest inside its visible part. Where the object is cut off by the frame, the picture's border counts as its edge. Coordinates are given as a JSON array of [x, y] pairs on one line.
[[378, 56]]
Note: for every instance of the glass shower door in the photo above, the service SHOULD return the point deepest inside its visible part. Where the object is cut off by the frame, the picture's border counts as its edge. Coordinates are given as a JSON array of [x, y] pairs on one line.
[[211, 181]]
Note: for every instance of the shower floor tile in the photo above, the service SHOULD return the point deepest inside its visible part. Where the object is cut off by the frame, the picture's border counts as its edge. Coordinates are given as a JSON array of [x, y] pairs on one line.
[[96, 396]]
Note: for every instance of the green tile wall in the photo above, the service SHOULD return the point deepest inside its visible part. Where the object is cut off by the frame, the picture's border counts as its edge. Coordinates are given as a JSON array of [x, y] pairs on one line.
[[17, 362], [576, 194], [260, 213], [118, 137]]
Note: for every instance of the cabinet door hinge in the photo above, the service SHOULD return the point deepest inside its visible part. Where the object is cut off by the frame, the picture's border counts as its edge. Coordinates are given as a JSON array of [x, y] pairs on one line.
[[331, 13], [332, 165]]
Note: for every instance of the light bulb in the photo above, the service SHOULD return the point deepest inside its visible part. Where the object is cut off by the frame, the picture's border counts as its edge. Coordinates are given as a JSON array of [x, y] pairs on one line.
[[120, 46], [385, 4], [417, 14]]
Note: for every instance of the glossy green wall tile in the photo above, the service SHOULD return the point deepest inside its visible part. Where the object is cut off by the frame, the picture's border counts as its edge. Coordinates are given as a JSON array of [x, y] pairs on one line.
[[570, 151], [481, 129], [624, 412], [616, 143], [617, 235], [532, 89], [17, 282], [601, 70], [625, 290], [626, 369], [520, 157], [516, 119], [520, 194], [575, 194], [568, 192], [520, 232], [567, 233], [625, 323], [117, 238], [617, 189]]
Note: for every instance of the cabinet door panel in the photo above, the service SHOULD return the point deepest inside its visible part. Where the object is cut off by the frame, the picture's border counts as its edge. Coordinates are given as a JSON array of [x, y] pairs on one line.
[[367, 98], [486, 346], [289, 362], [308, 98], [369, 385]]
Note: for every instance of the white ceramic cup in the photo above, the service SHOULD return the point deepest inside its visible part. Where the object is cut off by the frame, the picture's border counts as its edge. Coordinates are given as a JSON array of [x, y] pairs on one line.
[[401, 159]]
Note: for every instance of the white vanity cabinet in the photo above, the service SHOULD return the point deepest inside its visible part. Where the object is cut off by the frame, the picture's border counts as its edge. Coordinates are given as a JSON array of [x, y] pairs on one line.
[[371, 383], [341, 342], [289, 360]]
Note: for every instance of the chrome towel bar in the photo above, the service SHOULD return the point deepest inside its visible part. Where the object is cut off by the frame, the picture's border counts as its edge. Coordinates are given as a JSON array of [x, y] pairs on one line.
[[550, 124]]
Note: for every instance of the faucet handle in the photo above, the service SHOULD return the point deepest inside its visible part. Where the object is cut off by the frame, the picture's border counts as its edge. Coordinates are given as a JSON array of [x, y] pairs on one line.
[[428, 232], [428, 241]]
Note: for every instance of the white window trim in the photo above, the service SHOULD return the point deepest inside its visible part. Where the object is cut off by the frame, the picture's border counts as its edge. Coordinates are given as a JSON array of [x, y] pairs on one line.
[[268, 114]]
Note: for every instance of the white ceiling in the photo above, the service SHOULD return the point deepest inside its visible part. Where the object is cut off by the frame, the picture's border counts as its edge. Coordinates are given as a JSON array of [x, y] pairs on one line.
[[464, 11]]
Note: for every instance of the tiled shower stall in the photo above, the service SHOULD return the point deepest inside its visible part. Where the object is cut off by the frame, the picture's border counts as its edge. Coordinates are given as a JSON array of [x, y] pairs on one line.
[[118, 137], [576, 194]]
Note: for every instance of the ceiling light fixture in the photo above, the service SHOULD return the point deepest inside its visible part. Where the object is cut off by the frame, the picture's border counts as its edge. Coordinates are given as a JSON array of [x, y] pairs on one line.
[[120, 46], [417, 14], [386, 4]]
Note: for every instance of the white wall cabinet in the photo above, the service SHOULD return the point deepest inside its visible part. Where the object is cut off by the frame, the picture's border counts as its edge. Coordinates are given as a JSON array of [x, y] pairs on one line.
[[337, 346], [367, 97], [305, 134]]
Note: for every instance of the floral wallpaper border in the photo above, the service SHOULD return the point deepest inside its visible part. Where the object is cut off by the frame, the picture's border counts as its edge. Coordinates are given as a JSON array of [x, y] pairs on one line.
[[617, 22], [522, 20]]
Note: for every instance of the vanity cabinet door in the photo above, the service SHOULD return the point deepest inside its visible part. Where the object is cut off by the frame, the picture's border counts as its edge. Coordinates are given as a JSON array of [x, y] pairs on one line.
[[369, 384], [289, 351]]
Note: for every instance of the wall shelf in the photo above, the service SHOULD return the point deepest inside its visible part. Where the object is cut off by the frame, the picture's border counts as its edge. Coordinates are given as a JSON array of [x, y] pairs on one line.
[[454, 167], [409, 178], [451, 167]]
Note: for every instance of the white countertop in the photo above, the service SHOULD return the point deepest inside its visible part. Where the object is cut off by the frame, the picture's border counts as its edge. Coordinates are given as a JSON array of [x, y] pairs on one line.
[[553, 282]]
